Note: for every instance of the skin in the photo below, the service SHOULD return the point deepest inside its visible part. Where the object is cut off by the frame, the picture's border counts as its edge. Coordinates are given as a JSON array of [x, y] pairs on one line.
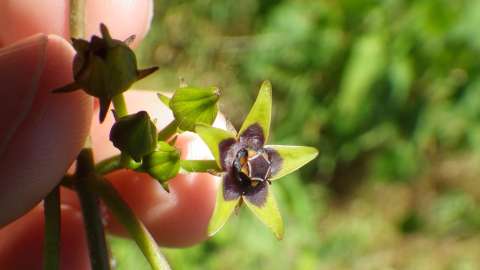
[[42, 133]]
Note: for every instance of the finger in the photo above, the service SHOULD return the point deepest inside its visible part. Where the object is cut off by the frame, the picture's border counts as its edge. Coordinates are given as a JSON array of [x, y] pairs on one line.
[[122, 17], [23, 18], [178, 218], [22, 241], [40, 133]]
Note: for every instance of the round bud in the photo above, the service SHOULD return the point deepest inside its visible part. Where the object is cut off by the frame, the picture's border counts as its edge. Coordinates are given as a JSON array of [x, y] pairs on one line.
[[135, 135]]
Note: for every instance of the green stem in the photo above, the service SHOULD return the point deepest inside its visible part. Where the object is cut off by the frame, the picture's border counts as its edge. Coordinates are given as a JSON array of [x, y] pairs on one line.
[[120, 106], [134, 226], [168, 131], [112, 164], [68, 181], [99, 256], [51, 250], [200, 166], [77, 18]]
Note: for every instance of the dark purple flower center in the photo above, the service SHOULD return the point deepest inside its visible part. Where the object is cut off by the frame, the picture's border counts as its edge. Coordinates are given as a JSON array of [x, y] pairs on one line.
[[251, 167]]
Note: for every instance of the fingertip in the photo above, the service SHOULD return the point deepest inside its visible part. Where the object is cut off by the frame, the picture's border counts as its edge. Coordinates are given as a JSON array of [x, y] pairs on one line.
[[122, 17], [22, 18]]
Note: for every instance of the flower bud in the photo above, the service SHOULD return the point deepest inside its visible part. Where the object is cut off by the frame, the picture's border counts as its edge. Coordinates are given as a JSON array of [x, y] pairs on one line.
[[104, 68], [163, 164], [192, 106], [134, 134]]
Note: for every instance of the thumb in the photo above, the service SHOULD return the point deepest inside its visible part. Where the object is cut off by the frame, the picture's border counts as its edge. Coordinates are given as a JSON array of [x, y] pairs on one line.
[[40, 133]]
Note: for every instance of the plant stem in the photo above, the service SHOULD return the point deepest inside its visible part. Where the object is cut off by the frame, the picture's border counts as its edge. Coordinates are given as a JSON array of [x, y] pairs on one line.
[[134, 226], [99, 256], [77, 18], [200, 166], [112, 164], [120, 105], [51, 250], [168, 131]]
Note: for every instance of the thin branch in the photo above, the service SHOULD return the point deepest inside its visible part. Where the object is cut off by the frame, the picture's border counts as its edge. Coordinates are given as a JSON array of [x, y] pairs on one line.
[[97, 246], [51, 250], [134, 226]]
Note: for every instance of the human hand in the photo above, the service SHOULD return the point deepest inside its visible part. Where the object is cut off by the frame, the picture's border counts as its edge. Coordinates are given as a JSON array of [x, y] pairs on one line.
[[42, 133]]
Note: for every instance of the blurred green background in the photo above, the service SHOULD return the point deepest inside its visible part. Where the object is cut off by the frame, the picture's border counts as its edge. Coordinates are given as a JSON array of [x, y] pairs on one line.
[[388, 91]]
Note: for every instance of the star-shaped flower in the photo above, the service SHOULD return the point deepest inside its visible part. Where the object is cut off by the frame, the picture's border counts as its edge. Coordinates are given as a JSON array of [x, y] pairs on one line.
[[250, 166]]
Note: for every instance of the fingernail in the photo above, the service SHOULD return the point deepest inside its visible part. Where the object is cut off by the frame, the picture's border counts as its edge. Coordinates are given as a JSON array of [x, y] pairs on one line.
[[21, 66]]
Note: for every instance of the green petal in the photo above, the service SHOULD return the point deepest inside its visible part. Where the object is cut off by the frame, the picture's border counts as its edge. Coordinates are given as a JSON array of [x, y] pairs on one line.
[[191, 106], [261, 111], [268, 214], [164, 99], [290, 158], [223, 210], [213, 137]]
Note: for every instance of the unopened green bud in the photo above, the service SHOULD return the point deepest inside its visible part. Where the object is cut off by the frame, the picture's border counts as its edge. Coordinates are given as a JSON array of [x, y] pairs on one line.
[[135, 135], [104, 68], [163, 164], [192, 106]]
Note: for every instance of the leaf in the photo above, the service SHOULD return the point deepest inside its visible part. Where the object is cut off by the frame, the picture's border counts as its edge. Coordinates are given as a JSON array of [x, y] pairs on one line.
[[261, 111], [213, 137], [357, 88], [223, 210], [268, 214], [191, 106], [287, 158]]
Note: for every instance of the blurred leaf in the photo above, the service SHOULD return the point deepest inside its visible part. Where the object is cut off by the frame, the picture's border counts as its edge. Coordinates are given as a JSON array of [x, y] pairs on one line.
[[364, 68], [126, 254]]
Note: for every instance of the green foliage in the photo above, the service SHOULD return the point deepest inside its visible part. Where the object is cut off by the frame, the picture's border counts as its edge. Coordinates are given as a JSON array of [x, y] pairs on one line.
[[356, 79], [386, 90], [126, 254]]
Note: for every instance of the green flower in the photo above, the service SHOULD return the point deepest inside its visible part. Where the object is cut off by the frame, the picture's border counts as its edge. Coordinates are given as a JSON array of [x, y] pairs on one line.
[[250, 166]]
